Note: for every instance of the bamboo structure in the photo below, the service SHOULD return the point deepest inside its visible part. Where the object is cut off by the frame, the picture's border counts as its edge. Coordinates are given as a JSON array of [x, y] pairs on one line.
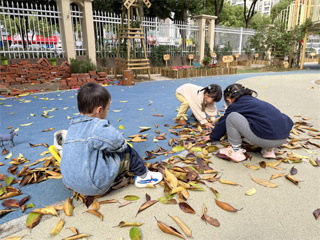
[[130, 34]]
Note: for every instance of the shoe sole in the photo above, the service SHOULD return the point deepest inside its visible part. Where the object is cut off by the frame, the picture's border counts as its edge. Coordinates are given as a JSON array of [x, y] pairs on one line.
[[225, 157]]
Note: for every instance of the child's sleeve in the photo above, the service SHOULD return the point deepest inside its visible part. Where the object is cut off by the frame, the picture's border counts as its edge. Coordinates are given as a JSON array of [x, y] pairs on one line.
[[108, 138], [196, 110], [211, 110]]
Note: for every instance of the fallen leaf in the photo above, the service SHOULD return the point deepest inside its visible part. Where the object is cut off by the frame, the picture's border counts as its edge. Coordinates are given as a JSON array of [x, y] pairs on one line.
[[77, 236], [8, 180], [124, 204], [292, 179], [178, 148], [46, 211], [4, 151], [26, 124], [128, 224], [33, 219], [186, 208], [228, 182], [183, 226], [95, 205], [121, 127], [68, 207], [293, 171], [170, 230], [135, 233], [147, 204], [225, 206], [210, 220], [157, 115], [277, 175], [316, 213], [8, 156], [251, 166], [47, 130], [117, 110], [131, 198], [96, 213], [140, 109], [109, 201], [171, 178], [9, 203], [74, 230], [251, 192], [216, 193], [56, 230], [5, 211], [264, 182], [263, 164]]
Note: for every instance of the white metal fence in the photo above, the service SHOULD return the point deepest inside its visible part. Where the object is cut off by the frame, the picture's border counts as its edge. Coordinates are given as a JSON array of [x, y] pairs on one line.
[[29, 30], [178, 37], [33, 31]]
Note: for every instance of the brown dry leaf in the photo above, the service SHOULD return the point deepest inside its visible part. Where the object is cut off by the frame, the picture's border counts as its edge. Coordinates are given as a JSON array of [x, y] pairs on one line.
[[1, 163], [5, 151], [228, 182], [46, 211], [171, 179], [147, 204], [170, 230], [5, 211], [273, 163], [138, 139], [278, 175], [124, 204], [109, 201], [77, 236], [157, 115], [95, 205], [10, 192], [33, 219], [9, 203], [96, 213], [263, 164], [264, 182], [210, 220], [186, 208], [183, 226], [292, 179], [216, 193], [68, 207], [34, 145], [225, 206], [316, 213]]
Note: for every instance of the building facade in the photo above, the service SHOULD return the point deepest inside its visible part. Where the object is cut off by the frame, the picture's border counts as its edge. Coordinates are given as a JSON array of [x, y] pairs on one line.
[[263, 6]]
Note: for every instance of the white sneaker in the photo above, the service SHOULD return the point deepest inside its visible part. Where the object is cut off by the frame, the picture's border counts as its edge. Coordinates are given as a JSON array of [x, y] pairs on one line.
[[59, 138], [152, 178]]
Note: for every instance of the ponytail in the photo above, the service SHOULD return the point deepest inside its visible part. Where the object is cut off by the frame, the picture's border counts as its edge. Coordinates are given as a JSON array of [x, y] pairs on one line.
[[214, 91], [237, 90]]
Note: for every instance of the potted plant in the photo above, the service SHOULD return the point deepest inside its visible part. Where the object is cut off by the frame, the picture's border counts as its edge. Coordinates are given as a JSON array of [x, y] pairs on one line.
[[206, 61], [53, 61], [4, 60]]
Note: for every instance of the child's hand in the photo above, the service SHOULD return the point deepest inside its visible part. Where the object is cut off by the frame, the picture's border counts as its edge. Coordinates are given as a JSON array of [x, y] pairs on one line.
[[208, 125], [206, 138]]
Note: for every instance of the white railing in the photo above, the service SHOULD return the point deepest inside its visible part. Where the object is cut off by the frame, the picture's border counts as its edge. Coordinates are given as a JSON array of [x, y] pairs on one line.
[[76, 18], [179, 37], [29, 30]]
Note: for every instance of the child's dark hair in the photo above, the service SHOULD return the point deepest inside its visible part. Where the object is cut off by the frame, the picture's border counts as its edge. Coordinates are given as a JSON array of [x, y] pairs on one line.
[[237, 90], [92, 95], [214, 91]]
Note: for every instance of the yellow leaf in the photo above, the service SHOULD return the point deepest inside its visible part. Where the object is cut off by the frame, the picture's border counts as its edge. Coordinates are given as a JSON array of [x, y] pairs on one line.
[[228, 182], [14, 238], [177, 189], [44, 153], [76, 114], [121, 127], [140, 109], [264, 182], [57, 228], [17, 129], [47, 211], [65, 108], [117, 110], [26, 124], [172, 180], [8, 156], [68, 117], [119, 119], [68, 207], [7, 105], [11, 113], [124, 101], [251, 192], [96, 213], [251, 166], [32, 115], [274, 163]]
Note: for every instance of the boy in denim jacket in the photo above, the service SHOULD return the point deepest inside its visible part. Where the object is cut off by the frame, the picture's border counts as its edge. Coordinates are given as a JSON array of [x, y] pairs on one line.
[[94, 152]]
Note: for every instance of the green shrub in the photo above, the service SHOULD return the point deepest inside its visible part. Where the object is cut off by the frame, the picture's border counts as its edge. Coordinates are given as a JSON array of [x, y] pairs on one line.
[[82, 66]]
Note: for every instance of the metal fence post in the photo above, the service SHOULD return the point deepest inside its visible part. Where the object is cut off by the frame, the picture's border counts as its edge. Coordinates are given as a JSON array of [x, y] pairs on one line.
[[240, 45]]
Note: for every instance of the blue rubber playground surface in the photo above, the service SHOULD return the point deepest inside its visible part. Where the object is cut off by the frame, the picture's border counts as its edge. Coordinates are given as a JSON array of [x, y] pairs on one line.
[[142, 101]]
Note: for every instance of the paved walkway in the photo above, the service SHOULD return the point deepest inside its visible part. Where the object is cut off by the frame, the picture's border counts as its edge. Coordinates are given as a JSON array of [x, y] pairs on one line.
[[271, 213]]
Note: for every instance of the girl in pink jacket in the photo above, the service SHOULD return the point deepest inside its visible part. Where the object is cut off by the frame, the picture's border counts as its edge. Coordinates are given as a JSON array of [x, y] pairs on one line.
[[201, 100]]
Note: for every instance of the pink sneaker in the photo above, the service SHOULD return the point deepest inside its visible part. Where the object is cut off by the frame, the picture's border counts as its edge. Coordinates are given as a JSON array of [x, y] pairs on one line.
[[234, 156], [268, 153]]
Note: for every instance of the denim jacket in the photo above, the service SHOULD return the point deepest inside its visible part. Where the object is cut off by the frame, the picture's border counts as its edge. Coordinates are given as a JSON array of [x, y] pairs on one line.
[[90, 162]]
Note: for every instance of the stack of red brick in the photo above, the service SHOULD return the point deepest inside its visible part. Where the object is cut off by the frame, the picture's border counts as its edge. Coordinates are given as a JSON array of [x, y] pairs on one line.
[[24, 72], [77, 80]]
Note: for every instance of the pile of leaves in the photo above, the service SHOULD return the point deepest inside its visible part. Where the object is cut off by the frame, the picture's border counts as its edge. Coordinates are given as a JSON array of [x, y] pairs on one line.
[[182, 175]]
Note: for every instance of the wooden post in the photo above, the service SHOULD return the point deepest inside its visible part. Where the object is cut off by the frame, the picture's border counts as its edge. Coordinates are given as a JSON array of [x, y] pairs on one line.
[[305, 36], [190, 56]]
